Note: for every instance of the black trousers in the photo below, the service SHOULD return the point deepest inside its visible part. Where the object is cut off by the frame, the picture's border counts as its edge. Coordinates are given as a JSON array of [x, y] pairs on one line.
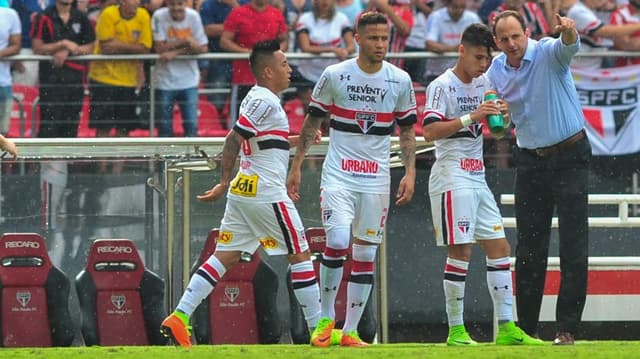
[[61, 95], [558, 181]]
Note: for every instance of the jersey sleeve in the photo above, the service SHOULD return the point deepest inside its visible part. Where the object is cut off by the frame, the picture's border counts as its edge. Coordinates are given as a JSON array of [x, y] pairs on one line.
[[322, 95], [405, 111], [105, 27], [252, 117], [158, 27], [435, 106], [145, 30]]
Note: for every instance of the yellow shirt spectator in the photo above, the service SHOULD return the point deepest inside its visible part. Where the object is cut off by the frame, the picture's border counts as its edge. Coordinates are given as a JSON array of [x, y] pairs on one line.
[[136, 30]]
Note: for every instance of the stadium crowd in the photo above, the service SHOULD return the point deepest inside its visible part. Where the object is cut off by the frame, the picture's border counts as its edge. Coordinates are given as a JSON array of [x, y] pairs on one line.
[[77, 96]]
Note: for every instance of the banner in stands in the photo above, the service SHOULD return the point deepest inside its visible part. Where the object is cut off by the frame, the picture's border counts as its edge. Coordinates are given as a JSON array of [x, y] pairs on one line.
[[609, 101]]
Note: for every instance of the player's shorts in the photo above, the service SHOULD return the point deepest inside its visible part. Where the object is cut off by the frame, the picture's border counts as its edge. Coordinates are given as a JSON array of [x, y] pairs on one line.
[[465, 215], [366, 213], [274, 226]]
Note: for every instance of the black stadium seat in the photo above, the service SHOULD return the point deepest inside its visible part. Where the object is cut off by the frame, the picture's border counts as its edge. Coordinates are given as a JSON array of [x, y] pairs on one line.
[[122, 302], [242, 307], [35, 294], [299, 332]]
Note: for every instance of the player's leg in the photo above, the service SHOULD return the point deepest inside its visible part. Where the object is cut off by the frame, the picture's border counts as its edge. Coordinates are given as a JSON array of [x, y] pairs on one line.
[[489, 232], [368, 229], [235, 237], [454, 214], [337, 207]]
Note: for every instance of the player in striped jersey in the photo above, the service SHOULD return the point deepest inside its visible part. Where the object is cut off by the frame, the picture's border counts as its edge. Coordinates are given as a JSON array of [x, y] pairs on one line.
[[462, 206], [364, 98], [258, 210]]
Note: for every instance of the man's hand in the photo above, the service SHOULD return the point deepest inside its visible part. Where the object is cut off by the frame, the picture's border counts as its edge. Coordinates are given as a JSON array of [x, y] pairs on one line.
[[405, 190], [60, 57], [293, 184], [214, 193], [564, 24]]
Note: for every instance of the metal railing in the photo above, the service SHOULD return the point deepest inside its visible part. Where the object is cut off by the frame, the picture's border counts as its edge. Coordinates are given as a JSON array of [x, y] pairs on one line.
[[236, 56]]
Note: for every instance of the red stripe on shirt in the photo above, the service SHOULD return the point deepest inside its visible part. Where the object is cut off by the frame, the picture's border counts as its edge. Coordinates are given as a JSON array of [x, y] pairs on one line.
[[351, 114]]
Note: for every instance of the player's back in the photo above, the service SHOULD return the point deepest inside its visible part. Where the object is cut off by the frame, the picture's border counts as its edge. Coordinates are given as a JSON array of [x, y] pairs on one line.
[[264, 157]]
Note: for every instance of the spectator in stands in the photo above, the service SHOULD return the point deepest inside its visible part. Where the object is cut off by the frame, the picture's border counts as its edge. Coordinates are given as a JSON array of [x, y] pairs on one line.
[[293, 10], [177, 30], [351, 8], [400, 18], [27, 71], [416, 40], [321, 30], [245, 26], [216, 73], [6, 144], [10, 44], [121, 29], [61, 31], [444, 29], [593, 32], [535, 18], [627, 14]]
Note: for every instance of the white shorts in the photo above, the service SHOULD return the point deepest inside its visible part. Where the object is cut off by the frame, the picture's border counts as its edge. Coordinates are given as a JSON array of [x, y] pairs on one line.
[[274, 226], [366, 213], [465, 215]]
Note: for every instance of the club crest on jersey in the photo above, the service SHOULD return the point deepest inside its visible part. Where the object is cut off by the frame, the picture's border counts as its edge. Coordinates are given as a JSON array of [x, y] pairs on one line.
[[463, 225], [365, 120]]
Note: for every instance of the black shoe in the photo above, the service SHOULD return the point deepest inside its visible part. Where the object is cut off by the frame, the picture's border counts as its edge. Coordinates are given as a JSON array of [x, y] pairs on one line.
[[563, 338]]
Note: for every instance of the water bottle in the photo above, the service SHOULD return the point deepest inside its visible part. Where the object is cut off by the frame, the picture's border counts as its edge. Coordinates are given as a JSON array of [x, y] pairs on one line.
[[495, 122]]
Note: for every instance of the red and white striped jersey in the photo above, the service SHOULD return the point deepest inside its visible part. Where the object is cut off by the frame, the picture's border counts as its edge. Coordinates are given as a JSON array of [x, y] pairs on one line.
[[322, 32], [363, 110], [264, 158], [459, 162], [621, 16]]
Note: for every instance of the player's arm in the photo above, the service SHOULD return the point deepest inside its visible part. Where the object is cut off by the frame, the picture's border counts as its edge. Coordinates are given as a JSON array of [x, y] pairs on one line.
[[434, 128], [308, 136], [408, 148], [230, 151]]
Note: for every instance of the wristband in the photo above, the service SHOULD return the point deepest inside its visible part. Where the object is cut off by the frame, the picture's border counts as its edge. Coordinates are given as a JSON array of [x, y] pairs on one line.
[[466, 120]]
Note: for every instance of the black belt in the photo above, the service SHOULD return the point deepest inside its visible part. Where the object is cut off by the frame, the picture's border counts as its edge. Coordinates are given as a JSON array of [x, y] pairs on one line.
[[558, 147]]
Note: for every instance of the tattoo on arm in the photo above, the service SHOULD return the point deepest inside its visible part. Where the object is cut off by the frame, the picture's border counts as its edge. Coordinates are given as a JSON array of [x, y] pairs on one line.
[[308, 133], [408, 147], [230, 151]]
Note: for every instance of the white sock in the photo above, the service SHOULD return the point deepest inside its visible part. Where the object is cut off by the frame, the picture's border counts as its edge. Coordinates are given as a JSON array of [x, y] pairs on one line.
[[201, 284], [305, 287], [500, 289], [455, 274], [360, 283], [330, 277]]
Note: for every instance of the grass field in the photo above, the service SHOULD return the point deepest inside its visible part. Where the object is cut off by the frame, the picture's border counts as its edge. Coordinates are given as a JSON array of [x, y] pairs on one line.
[[583, 349]]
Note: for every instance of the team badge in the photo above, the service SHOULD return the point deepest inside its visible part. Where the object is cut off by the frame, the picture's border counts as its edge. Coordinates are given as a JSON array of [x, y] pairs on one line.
[[463, 225], [23, 298], [365, 120], [232, 293], [118, 301]]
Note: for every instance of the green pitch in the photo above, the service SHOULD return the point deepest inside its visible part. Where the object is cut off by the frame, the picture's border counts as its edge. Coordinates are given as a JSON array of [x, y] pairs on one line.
[[582, 349]]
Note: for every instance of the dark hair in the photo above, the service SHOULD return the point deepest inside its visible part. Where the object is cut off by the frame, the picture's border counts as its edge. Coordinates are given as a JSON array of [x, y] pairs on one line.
[[370, 18], [261, 52], [478, 35], [505, 14]]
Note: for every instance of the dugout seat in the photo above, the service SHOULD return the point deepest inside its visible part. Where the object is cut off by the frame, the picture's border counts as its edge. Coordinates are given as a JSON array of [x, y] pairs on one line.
[[122, 302], [242, 307], [25, 97], [35, 294], [299, 331]]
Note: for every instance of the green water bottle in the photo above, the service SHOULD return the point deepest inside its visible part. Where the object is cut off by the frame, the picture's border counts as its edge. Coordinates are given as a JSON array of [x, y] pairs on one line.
[[495, 122]]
